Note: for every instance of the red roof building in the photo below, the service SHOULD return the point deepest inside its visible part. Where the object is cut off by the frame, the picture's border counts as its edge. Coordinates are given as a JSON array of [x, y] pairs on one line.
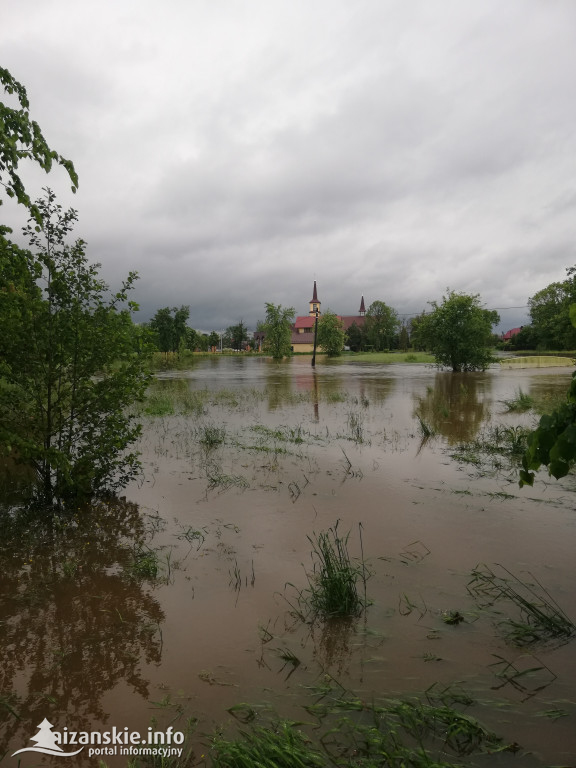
[[302, 339], [511, 333], [303, 329]]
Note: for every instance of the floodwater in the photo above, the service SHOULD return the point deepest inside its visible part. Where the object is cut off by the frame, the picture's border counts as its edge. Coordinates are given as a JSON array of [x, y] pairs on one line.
[[258, 457]]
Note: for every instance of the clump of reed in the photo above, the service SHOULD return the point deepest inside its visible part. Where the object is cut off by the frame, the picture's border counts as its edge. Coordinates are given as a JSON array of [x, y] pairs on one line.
[[520, 403], [426, 430], [540, 619], [333, 584]]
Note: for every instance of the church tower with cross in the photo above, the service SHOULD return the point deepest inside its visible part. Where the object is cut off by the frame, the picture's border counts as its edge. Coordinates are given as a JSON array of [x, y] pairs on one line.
[[314, 303]]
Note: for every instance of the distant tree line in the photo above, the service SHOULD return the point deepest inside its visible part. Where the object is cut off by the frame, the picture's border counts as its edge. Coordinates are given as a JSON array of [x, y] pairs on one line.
[[550, 327], [169, 333]]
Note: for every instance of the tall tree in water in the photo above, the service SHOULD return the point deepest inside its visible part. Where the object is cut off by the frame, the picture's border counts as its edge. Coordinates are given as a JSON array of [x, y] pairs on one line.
[[458, 332]]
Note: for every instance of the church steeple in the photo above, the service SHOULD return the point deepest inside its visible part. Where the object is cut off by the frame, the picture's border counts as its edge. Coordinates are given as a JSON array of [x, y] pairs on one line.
[[314, 304], [362, 310]]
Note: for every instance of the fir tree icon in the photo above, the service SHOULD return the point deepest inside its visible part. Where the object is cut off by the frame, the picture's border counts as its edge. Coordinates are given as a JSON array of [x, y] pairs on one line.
[[45, 738], [46, 742]]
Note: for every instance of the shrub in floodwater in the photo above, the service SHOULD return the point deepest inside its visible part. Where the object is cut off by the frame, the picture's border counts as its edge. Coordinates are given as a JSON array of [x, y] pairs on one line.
[[519, 403], [281, 745], [541, 618], [211, 436]]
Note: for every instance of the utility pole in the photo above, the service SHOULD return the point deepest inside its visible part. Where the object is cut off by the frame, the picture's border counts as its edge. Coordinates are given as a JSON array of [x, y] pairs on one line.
[[315, 340]]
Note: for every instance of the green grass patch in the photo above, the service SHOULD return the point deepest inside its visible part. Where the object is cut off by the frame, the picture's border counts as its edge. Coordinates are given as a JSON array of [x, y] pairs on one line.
[[391, 357], [158, 404]]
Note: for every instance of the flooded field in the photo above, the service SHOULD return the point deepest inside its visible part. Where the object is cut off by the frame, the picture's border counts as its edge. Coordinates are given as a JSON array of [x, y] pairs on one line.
[[183, 604]]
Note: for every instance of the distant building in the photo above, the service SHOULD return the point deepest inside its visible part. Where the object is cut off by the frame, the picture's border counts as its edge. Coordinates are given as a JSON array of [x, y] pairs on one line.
[[511, 333], [302, 338]]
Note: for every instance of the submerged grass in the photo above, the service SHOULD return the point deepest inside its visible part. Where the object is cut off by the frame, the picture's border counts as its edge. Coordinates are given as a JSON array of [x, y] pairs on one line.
[[427, 732], [144, 564], [495, 444], [282, 745], [212, 436], [540, 620]]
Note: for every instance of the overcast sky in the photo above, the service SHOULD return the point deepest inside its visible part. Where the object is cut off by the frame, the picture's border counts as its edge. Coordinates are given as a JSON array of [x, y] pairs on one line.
[[232, 151]]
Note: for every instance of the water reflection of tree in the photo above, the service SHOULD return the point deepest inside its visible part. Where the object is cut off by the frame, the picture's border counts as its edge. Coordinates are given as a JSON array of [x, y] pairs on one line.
[[455, 406], [377, 390], [73, 626], [16, 482], [278, 390]]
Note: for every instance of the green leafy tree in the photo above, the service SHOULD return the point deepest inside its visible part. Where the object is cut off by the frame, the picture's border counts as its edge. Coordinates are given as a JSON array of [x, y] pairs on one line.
[[22, 139], [403, 338], [202, 342], [71, 363], [162, 327], [553, 443], [169, 328], [331, 334], [381, 325], [458, 332], [181, 316], [355, 337], [191, 339], [277, 328], [414, 326], [236, 336], [214, 340], [550, 314]]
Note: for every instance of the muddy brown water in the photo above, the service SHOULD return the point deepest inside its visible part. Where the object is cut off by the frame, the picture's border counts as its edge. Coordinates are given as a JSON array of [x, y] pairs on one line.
[[89, 647]]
